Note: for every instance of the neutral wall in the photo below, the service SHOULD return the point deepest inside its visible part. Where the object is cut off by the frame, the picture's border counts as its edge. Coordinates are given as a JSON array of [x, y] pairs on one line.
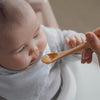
[[79, 15]]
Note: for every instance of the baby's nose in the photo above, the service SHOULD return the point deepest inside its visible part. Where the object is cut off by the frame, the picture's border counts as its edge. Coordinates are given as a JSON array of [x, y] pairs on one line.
[[34, 51]]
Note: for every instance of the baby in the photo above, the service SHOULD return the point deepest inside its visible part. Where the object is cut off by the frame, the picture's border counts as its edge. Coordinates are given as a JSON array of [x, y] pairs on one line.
[[22, 44]]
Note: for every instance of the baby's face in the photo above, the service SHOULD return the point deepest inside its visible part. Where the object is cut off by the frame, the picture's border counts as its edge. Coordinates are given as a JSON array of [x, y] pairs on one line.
[[22, 45]]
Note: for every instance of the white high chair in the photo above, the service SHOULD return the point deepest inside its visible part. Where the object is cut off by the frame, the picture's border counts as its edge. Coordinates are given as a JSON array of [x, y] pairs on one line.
[[73, 77]]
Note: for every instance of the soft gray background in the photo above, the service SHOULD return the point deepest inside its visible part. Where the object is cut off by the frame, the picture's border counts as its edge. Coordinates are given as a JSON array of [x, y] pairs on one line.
[[79, 15]]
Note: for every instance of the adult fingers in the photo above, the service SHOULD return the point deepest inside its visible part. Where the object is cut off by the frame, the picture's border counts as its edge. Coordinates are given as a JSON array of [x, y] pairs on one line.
[[93, 41], [86, 55]]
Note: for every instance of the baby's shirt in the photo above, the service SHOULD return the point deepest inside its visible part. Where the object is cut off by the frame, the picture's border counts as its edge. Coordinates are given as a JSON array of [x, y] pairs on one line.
[[39, 81]]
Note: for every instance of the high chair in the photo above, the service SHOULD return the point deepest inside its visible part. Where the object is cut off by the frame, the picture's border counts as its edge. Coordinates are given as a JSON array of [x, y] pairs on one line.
[[72, 77]]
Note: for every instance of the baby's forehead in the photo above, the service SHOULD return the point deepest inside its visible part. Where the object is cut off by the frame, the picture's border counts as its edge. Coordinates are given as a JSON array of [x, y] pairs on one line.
[[5, 38], [14, 11]]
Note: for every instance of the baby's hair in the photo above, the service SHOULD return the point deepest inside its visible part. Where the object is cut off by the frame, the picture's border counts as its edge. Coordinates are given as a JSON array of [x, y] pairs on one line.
[[13, 11]]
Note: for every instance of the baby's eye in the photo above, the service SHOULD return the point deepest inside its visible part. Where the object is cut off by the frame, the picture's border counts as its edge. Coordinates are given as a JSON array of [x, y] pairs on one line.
[[21, 49], [36, 35]]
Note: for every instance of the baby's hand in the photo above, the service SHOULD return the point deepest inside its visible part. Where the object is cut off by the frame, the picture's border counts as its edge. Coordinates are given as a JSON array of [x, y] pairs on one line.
[[74, 40]]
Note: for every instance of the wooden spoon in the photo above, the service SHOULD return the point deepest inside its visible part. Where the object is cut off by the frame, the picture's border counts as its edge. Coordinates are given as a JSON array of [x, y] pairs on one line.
[[49, 58]]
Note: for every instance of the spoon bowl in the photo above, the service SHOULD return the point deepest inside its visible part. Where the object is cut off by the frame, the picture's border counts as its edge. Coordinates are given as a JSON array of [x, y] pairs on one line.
[[47, 58]]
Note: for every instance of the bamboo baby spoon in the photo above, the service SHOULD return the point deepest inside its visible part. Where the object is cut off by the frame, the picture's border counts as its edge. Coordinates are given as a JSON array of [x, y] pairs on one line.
[[49, 58]]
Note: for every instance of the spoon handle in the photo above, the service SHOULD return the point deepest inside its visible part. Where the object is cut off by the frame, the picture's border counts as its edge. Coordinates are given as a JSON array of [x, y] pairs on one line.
[[75, 49]]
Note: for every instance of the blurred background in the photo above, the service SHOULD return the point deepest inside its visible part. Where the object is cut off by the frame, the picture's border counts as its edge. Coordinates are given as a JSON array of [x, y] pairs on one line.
[[79, 15]]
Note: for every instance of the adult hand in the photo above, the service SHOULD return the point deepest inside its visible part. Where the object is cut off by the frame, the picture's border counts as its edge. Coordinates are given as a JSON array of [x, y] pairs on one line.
[[94, 46]]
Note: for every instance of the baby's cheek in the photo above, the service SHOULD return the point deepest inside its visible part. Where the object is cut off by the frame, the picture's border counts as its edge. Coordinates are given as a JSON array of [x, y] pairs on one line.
[[42, 45], [23, 61], [26, 60]]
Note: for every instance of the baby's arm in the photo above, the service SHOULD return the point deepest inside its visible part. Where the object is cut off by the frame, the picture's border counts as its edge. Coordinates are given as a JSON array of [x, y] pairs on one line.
[[44, 7], [74, 40]]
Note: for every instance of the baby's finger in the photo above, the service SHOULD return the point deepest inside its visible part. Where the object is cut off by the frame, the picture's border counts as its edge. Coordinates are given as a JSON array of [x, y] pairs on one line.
[[67, 41], [73, 41], [78, 39], [83, 38]]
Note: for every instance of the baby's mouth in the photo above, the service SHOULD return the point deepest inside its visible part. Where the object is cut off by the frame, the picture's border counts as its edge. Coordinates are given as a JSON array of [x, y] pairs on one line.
[[35, 58], [32, 61]]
